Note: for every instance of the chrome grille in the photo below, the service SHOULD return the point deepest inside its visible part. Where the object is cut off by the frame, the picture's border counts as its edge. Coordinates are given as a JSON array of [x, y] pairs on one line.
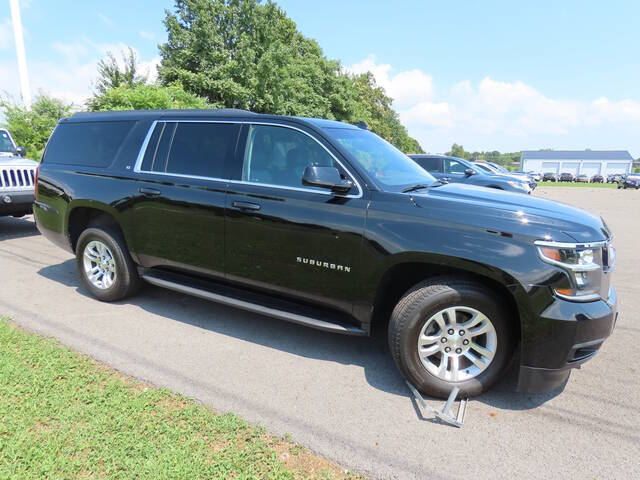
[[17, 178]]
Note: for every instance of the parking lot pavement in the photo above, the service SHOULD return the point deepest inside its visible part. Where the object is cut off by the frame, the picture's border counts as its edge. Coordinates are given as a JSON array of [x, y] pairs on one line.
[[342, 396]]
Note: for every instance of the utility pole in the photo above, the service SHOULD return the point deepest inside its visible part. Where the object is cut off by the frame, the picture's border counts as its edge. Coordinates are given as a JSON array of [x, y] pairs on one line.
[[20, 54]]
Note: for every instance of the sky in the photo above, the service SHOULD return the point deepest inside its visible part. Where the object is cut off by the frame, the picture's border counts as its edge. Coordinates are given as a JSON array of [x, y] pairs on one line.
[[490, 75]]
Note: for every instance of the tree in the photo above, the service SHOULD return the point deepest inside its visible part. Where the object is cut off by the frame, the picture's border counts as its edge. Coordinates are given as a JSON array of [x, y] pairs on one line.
[[32, 128], [458, 151], [146, 96], [250, 55], [110, 75]]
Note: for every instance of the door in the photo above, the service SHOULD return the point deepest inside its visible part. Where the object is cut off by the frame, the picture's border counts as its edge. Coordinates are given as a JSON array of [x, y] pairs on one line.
[[286, 237], [551, 167], [454, 170], [177, 217]]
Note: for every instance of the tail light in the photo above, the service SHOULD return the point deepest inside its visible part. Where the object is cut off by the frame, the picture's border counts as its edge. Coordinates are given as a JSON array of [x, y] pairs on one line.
[[35, 183]]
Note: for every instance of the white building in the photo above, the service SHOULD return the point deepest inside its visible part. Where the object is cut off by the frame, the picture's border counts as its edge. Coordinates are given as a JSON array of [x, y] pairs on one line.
[[590, 162]]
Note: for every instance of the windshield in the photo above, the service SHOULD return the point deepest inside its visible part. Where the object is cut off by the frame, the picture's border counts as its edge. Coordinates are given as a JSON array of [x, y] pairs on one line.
[[6, 145], [391, 169], [499, 168], [484, 168]]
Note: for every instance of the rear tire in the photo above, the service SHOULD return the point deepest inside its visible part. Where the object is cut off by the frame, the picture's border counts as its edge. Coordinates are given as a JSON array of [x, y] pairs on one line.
[[105, 265], [423, 318]]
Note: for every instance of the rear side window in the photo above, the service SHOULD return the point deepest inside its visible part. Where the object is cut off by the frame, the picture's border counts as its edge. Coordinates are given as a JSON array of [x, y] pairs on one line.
[[92, 144], [430, 164], [201, 149]]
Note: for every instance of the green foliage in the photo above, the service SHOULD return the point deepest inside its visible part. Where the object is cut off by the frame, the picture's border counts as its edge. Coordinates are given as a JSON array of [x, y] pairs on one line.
[[32, 128], [64, 416], [250, 55], [145, 97], [111, 76]]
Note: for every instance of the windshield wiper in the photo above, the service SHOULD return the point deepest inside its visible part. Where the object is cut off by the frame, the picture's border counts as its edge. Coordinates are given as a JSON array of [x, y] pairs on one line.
[[412, 188]]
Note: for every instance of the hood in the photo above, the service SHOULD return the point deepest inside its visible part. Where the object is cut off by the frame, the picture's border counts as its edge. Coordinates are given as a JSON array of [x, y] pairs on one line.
[[10, 160], [512, 213]]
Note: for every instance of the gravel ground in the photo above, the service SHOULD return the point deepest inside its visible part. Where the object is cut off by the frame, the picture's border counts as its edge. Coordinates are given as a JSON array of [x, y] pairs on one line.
[[342, 396]]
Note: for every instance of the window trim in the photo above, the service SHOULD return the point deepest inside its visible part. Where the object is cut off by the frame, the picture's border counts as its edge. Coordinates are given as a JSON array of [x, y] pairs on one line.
[[145, 144]]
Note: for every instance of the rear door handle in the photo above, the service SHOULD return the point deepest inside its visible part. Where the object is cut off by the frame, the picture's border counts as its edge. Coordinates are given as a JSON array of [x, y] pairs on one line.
[[149, 192], [246, 206]]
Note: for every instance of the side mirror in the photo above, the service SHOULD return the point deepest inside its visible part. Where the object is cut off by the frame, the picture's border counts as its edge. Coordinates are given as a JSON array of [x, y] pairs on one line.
[[21, 151], [325, 177], [469, 171]]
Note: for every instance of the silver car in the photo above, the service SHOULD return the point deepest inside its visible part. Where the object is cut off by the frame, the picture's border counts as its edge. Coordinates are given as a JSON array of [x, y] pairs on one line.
[[17, 178]]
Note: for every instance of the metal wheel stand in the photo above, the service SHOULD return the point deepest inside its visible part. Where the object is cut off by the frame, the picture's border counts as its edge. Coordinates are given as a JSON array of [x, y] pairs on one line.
[[446, 415]]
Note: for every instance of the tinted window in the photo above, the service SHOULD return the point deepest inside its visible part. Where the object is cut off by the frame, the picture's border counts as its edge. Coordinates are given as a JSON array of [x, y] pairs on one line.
[[5, 142], [201, 149], [279, 156], [94, 144], [430, 164], [152, 148]]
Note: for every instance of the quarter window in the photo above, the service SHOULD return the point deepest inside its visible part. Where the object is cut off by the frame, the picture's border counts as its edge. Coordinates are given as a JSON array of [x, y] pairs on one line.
[[279, 155]]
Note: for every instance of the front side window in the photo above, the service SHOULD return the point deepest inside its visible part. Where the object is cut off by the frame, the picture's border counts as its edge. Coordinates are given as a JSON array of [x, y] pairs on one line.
[[391, 169], [279, 155], [6, 145], [455, 167]]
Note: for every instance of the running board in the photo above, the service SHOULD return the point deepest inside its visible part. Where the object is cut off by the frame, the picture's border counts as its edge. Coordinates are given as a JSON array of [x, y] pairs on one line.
[[220, 294]]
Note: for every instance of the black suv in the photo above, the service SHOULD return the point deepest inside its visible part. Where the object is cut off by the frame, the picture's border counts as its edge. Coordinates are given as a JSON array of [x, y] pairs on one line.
[[567, 177], [325, 224]]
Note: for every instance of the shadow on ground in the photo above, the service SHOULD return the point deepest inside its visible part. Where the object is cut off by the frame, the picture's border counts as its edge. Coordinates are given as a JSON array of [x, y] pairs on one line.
[[11, 227], [370, 353]]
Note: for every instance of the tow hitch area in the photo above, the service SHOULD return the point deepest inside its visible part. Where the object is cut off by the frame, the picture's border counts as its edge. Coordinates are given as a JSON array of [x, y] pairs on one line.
[[446, 415]]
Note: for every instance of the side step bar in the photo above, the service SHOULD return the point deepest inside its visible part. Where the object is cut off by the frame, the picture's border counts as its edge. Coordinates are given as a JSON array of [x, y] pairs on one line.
[[166, 281]]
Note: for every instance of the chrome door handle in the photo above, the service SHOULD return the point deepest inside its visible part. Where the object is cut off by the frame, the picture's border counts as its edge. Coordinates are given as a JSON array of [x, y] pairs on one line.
[[246, 206], [149, 192]]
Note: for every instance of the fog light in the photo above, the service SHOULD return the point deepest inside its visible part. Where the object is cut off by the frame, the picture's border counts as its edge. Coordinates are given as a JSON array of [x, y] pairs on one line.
[[7, 199]]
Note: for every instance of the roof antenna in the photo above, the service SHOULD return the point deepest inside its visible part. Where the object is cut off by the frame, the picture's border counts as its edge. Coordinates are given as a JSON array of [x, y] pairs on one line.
[[363, 125]]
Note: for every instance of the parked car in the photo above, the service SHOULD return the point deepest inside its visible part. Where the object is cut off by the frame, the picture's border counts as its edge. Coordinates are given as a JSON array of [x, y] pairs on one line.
[[537, 176], [17, 175], [492, 169], [567, 177], [550, 177], [614, 177], [325, 224], [630, 181], [458, 170], [582, 178], [597, 178]]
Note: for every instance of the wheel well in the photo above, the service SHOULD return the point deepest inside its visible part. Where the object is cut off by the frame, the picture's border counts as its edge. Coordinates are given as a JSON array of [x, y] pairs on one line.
[[400, 278], [82, 218]]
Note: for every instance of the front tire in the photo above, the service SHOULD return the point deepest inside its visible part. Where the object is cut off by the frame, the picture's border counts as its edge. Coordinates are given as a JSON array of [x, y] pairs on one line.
[[105, 265], [448, 332]]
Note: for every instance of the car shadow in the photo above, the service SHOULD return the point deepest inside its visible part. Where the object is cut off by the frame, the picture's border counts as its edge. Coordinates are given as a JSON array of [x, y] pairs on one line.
[[11, 227], [370, 353]]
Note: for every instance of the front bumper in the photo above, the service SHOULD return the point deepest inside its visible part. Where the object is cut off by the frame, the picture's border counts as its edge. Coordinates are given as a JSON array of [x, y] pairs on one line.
[[16, 202], [577, 331]]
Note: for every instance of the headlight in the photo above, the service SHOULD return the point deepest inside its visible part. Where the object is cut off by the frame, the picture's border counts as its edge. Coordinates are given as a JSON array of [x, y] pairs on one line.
[[583, 264], [519, 185]]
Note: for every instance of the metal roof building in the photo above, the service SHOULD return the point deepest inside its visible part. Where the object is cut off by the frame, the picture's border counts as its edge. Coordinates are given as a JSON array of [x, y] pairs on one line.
[[590, 162]]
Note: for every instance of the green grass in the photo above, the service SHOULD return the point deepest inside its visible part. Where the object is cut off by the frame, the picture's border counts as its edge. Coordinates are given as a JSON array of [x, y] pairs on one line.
[[63, 415], [576, 184]]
